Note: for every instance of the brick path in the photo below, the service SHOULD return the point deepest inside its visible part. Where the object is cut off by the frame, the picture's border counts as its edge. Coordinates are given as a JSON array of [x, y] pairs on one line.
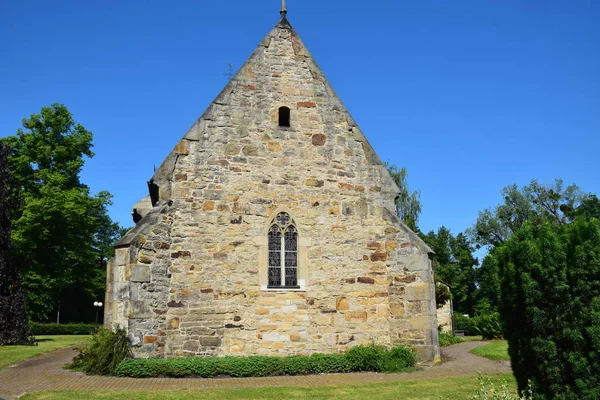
[[46, 373]]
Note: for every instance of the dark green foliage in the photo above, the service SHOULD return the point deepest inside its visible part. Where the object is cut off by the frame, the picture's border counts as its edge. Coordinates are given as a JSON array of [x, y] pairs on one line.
[[447, 340], [360, 358], [14, 328], [489, 326], [462, 323], [397, 359], [62, 329], [537, 203], [329, 363], [453, 264], [103, 353], [487, 297], [62, 234], [408, 203], [442, 294], [551, 308], [366, 358]]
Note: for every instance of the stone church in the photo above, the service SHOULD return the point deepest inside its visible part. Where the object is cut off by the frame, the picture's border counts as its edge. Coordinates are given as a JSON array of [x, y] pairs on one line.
[[271, 229]]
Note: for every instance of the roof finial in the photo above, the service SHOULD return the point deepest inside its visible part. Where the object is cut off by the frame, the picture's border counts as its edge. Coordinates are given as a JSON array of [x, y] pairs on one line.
[[283, 11]]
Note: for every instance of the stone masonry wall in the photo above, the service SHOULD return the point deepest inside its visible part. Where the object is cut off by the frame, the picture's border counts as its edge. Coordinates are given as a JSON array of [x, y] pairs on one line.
[[190, 272]]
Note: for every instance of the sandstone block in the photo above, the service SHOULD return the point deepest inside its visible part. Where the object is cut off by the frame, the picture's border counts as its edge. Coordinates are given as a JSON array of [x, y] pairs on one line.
[[356, 316], [341, 303], [318, 139], [274, 147], [418, 291], [140, 273], [231, 149], [150, 339]]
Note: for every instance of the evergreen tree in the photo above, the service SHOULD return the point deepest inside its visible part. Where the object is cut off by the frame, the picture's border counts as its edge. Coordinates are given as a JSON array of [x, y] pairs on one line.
[[14, 323], [550, 291]]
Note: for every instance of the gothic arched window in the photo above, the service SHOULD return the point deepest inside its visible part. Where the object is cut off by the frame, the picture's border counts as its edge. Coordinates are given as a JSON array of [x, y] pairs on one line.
[[283, 253]]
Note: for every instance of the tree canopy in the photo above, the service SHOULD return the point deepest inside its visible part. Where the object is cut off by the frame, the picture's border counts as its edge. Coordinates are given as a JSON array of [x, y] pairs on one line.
[[408, 203], [454, 265], [531, 202], [61, 233]]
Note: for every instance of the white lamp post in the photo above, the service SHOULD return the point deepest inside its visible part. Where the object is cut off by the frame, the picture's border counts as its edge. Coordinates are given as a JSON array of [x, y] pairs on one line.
[[98, 305]]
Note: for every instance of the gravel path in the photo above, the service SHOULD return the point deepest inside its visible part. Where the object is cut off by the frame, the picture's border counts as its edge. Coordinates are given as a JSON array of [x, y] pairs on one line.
[[46, 373]]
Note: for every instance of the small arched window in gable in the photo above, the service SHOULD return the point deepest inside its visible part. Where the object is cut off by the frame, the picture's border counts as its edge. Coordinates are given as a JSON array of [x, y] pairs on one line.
[[283, 253], [284, 116]]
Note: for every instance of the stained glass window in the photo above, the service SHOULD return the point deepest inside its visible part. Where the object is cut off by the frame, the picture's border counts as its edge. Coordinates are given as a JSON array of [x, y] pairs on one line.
[[283, 253]]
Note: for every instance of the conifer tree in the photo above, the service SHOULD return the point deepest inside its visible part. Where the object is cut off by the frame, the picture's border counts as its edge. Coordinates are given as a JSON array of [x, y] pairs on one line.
[[14, 322]]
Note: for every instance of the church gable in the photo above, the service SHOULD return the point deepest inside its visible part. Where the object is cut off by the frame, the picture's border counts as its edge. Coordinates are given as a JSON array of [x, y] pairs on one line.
[[273, 229]]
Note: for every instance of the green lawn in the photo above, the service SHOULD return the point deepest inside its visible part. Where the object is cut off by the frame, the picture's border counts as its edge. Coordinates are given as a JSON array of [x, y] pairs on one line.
[[436, 389], [497, 350], [12, 354], [472, 338]]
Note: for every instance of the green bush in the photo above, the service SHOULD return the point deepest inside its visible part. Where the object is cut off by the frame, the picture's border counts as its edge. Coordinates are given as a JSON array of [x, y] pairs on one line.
[[489, 326], [359, 358], [398, 359], [38, 328], [103, 353], [329, 363], [447, 340], [462, 323], [550, 291], [366, 358]]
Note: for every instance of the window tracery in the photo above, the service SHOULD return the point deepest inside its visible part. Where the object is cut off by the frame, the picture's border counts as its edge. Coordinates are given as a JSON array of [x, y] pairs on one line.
[[283, 253]]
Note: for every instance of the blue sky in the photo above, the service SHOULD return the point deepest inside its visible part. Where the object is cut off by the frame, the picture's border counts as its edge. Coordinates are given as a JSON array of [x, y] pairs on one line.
[[469, 95]]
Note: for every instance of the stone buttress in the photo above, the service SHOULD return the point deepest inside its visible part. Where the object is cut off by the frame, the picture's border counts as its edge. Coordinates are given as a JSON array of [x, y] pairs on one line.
[[190, 278]]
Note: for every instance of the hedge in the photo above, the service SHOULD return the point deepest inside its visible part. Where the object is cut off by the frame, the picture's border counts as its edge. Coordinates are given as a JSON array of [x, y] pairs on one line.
[[38, 328], [466, 324], [359, 358]]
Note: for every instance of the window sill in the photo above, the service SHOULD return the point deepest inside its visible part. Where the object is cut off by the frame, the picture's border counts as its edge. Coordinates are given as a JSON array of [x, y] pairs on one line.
[[283, 289]]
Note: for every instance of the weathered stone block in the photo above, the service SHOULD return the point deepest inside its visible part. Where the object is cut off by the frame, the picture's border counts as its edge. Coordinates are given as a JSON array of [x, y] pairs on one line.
[[139, 309], [140, 273], [318, 139], [418, 291]]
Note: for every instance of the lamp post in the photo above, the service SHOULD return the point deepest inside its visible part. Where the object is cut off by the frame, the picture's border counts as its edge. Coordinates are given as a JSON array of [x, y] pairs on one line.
[[98, 305]]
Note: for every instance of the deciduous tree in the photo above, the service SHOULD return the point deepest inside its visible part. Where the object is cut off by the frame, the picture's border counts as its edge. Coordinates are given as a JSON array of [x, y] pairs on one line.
[[61, 232], [408, 203]]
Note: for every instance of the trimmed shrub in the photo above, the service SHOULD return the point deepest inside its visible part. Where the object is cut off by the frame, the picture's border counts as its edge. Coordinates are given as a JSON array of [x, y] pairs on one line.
[[329, 363], [462, 323], [489, 326], [38, 328], [103, 353], [447, 340], [366, 358], [398, 359], [359, 358], [551, 308]]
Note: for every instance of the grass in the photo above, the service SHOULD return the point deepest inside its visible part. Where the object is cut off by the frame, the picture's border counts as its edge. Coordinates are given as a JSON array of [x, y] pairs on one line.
[[472, 338], [435, 389], [12, 354], [497, 350]]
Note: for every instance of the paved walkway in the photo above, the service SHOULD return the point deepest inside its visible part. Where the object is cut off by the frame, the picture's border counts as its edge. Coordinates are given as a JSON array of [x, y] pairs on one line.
[[46, 373]]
